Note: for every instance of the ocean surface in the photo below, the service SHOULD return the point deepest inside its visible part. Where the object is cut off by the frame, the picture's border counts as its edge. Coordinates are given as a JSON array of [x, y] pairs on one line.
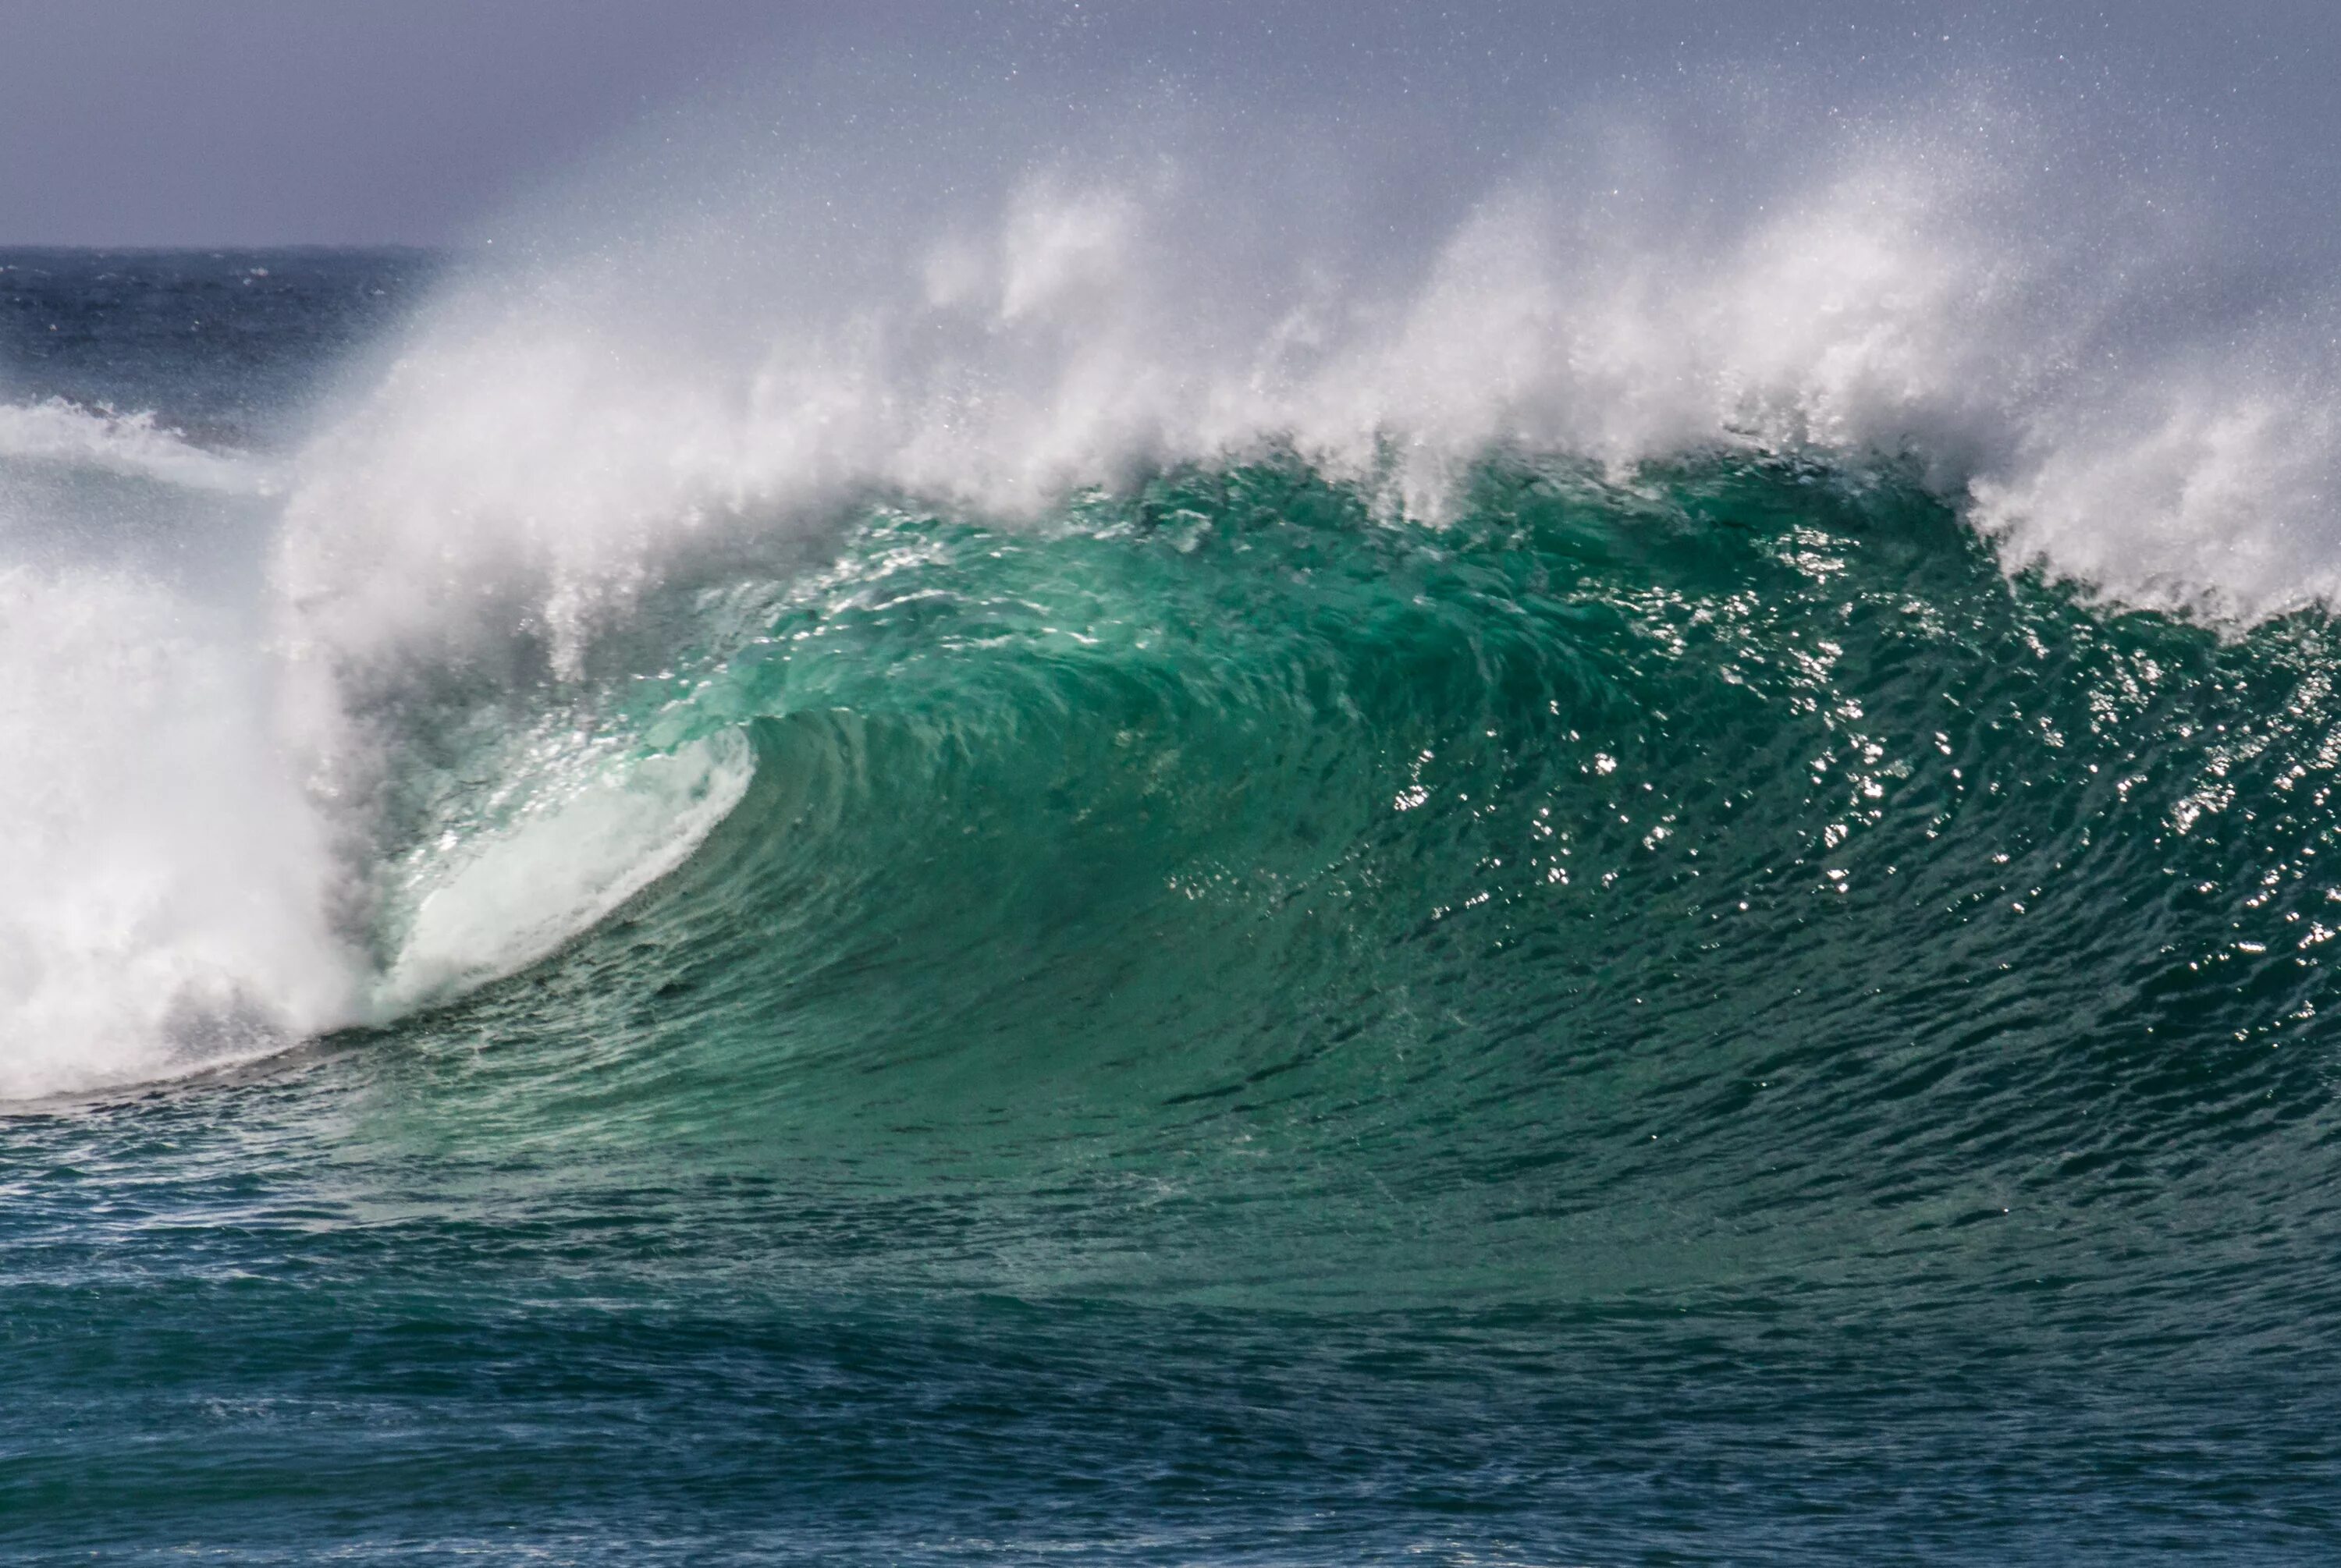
[[950, 928]]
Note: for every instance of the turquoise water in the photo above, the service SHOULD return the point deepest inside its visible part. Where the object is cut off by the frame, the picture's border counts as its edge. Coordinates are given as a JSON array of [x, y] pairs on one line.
[[1679, 1015]]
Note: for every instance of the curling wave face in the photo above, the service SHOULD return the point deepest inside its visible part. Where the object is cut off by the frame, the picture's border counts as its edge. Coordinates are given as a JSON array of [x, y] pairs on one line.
[[1598, 891], [491, 536]]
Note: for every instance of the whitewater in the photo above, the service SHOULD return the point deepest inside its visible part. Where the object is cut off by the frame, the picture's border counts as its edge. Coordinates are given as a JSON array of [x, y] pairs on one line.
[[1159, 829]]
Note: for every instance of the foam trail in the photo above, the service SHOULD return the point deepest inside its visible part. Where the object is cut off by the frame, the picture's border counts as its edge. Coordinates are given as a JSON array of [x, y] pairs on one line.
[[56, 432]]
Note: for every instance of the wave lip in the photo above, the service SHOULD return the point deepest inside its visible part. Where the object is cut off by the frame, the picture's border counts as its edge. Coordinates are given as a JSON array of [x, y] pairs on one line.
[[2112, 386]]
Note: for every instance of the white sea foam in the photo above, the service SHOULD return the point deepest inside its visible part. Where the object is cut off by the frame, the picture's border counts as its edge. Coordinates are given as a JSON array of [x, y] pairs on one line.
[[176, 894], [161, 905], [179, 889]]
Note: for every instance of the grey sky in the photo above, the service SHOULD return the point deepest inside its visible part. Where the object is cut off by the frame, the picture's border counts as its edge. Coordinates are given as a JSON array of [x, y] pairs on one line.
[[326, 121], [207, 122]]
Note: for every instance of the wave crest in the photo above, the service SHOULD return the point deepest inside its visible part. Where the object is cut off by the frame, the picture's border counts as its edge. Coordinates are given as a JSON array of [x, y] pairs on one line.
[[2117, 389]]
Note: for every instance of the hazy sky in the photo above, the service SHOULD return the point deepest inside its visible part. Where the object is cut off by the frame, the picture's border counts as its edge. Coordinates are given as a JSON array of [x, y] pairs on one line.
[[204, 121]]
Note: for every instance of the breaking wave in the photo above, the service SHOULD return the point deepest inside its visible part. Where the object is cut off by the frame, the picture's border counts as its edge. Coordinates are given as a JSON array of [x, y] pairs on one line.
[[451, 710]]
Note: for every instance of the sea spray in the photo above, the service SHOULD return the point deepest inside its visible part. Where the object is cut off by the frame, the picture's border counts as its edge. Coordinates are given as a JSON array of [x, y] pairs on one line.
[[163, 904]]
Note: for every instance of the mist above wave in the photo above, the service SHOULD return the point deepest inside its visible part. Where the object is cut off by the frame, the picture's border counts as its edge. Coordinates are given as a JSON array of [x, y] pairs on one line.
[[989, 311]]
